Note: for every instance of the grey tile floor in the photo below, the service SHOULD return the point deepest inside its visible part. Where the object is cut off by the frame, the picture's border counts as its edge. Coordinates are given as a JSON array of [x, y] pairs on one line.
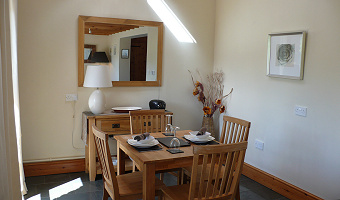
[[79, 187]]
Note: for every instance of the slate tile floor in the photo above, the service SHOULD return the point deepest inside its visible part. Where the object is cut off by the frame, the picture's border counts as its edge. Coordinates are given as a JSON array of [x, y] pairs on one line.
[[80, 188]]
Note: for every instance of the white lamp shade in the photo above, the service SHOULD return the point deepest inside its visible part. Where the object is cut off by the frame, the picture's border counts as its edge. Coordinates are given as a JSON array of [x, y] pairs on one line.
[[97, 76]]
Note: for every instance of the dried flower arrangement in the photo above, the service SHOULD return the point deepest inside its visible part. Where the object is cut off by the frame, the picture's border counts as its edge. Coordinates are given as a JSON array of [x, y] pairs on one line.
[[210, 93]]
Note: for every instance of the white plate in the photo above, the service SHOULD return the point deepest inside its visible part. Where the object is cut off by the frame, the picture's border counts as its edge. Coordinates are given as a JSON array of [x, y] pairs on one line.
[[133, 142], [125, 109], [196, 139], [194, 133]]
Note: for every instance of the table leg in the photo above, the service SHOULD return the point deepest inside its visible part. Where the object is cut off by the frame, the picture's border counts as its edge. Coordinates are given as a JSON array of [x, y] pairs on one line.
[[149, 181], [92, 153], [120, 160]]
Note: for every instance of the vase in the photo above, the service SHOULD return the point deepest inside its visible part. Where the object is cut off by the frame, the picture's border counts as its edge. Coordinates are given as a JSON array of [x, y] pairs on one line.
[[208, 123]]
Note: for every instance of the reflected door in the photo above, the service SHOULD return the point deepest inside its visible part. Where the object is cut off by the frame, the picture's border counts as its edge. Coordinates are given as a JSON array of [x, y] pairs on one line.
[[138, 59]]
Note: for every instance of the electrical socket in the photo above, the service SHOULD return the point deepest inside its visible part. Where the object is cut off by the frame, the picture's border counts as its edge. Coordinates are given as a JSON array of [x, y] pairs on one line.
[[301, 111], [71, 97], [259, 144]]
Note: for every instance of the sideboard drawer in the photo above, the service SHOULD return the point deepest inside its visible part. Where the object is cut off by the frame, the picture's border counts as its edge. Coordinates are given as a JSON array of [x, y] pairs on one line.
[[116, 126]]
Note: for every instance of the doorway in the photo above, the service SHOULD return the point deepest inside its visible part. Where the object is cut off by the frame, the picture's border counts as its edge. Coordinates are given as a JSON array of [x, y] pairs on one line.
[[138, 59]]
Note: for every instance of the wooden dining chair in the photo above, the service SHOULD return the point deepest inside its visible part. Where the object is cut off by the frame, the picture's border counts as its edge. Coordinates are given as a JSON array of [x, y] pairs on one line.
[[142, 121], [146, 121], [121, 187], [152, 121], [234, 130], [212, 183]]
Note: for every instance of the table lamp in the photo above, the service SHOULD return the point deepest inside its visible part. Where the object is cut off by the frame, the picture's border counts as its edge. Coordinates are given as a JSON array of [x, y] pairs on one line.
[[97, 76]]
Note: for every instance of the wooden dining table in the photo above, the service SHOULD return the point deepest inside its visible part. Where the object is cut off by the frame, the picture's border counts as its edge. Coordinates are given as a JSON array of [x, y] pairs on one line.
[[152, 161]]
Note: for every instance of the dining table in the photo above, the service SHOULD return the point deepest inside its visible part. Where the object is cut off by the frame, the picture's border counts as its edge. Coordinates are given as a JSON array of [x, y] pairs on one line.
[[151, 161]]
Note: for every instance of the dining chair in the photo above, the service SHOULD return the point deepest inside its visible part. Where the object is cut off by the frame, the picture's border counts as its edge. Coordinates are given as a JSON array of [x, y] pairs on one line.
[[212, 183], [121, 187], [151, 121], [234, 130]]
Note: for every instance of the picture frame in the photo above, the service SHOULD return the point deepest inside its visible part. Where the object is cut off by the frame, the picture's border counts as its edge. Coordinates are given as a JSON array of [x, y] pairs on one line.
[[89, 50], [125, 53], [286, 55]]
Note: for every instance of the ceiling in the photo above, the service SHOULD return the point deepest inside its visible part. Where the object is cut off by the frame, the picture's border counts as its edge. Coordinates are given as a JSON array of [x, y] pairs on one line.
[[106, 29]]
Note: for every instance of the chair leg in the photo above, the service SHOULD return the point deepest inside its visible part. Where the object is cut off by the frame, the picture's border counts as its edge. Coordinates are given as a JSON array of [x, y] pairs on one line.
[[179, 177], [161, 176], [185, 178], [237, 196], [105, 195]]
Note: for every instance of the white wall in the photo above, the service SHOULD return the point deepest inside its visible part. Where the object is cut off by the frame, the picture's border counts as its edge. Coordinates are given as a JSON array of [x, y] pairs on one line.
[[124, 63], [301, 150], [47, 42]]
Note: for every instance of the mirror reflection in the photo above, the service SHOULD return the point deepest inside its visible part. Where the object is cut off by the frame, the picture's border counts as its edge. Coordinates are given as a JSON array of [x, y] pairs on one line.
[[132, 47]]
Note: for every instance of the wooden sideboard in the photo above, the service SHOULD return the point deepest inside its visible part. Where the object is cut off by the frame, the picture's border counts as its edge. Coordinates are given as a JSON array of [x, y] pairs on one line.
[[110, 122]]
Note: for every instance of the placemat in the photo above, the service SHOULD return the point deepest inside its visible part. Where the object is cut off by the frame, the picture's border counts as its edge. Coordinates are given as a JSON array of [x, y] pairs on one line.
[[166, 141], [207, 143], [153, 148], [168, 134]]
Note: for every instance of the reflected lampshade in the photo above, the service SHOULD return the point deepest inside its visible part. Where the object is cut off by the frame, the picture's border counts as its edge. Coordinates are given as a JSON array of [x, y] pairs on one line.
[[99, 57]]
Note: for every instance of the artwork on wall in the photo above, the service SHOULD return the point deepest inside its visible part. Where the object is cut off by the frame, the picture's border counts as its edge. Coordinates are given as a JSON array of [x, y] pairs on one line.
[[89, 50], [125, 53], [286, 55]]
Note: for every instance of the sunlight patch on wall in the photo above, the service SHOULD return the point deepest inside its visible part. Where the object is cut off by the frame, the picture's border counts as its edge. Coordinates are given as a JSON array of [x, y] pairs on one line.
[[171, 21]]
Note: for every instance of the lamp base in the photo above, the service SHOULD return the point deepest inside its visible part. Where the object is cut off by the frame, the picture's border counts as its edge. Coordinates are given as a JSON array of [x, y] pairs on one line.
[[97, 102]]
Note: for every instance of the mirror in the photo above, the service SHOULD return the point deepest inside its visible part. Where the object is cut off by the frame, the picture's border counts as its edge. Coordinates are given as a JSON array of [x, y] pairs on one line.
[[134, 49]]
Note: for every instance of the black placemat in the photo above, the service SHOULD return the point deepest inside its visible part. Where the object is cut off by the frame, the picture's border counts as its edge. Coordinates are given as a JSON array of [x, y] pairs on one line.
[[166, 142], [153, 148], [168, 134], [213, 142]]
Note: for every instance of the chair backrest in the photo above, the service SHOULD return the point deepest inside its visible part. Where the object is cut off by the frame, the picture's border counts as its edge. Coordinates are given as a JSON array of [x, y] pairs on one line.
[[234, 130], [222, 180], [103, 151], [151, 121]]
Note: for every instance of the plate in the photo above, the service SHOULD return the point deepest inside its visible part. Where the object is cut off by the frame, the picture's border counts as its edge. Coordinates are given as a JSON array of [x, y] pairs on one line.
[[194, 133], [125, 109], [134, 143], [198, 140]]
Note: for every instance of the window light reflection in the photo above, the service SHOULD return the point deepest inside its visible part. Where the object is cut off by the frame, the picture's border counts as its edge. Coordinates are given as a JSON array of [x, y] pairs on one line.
[[65, 188], [35, 197], [171, 21]]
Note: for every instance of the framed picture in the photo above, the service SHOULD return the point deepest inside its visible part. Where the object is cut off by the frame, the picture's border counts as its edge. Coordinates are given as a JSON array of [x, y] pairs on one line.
[[286, 55], [89, 50], [125, 53]]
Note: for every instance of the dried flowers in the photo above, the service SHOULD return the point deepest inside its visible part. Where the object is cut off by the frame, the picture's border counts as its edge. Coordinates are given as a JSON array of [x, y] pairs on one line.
[[210, 93]]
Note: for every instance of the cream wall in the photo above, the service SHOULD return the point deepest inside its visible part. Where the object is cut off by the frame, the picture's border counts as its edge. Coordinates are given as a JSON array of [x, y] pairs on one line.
[[48, 69], [303, 151]]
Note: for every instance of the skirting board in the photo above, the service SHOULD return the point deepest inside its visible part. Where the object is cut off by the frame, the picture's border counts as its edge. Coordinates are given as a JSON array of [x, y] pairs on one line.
[[62, 166], [54, 167], [278, 185]]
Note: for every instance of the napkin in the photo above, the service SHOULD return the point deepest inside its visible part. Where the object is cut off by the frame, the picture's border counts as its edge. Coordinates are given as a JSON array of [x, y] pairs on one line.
[[141, 137], [202, 131]]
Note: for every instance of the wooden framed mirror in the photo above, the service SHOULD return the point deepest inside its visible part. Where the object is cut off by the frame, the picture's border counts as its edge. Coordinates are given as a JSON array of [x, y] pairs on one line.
[[142, 39]]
